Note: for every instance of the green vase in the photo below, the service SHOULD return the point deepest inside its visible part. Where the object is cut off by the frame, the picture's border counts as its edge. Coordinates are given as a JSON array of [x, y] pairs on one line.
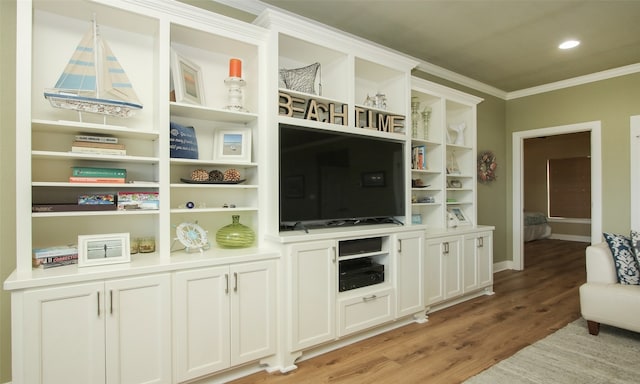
[[235, 235]]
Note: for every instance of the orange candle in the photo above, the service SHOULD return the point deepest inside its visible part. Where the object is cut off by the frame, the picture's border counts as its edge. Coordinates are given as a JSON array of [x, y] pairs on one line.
[[235, 68]]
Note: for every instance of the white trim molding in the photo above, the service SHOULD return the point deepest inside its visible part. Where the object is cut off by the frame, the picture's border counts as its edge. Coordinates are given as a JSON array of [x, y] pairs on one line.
[[635, 170], [594, 127]]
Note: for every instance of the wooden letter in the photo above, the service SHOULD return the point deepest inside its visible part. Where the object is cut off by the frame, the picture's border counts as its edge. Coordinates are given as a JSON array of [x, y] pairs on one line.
[[333, 114], [312, 111], [384, 123], [288, 106], [358, 111]]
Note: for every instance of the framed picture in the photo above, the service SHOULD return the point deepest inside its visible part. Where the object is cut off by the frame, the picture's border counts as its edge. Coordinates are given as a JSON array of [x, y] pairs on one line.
[[232, 145], [103, 249], [187, 80], [457, 216]]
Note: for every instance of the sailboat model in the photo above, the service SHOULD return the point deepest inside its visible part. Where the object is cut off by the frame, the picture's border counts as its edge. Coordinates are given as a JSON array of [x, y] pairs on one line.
[[93, 81]]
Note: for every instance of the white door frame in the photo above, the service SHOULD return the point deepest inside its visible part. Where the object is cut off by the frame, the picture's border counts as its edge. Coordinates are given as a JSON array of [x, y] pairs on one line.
[[635, 171], [518, 168]]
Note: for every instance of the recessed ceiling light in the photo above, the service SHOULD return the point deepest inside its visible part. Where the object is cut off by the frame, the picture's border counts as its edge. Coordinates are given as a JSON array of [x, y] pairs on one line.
[[569, 44]]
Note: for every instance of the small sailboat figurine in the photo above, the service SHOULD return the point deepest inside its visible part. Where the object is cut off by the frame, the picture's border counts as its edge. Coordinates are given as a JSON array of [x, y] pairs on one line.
[[93, 81]]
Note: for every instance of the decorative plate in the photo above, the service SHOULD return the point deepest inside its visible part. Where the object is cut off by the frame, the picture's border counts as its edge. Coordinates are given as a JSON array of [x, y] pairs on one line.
[[192, 236]]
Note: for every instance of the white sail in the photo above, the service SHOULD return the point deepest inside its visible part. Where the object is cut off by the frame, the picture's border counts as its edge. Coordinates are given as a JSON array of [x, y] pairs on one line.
[[93, 81]]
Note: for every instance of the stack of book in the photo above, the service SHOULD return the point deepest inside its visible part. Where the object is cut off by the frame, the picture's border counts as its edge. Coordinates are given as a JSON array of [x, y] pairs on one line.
[[55, 256], [419, 157], [100, 145], [98, 175]]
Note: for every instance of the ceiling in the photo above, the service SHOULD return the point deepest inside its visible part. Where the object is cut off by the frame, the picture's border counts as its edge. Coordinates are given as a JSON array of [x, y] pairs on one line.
[[510, 45]]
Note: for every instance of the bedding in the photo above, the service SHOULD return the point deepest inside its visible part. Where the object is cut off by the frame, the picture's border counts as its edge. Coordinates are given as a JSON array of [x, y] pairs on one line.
[[535, 226]]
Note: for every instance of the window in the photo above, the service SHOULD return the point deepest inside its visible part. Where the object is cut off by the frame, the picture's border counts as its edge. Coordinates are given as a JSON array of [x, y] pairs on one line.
[[569, 187]]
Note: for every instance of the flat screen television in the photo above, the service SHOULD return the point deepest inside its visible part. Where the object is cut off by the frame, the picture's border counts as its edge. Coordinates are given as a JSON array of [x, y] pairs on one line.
[[332, 178]]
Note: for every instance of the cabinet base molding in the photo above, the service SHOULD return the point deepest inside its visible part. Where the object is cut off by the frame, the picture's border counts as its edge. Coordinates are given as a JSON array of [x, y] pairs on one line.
[[487, 291], [343, 342]]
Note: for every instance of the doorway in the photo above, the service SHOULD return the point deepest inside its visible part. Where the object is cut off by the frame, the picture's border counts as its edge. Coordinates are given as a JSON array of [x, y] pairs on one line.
[[518, 138]]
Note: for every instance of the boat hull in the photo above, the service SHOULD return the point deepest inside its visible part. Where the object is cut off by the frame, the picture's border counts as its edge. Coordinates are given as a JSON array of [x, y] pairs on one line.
[[92, 105]]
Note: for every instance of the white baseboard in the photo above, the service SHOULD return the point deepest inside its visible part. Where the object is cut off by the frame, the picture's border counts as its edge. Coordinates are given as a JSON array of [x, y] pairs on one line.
[[560, 236], [502, 266]]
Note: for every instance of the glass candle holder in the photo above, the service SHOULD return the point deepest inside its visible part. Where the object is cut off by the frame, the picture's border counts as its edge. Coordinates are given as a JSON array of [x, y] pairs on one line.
[[235, 93], [147, 244]]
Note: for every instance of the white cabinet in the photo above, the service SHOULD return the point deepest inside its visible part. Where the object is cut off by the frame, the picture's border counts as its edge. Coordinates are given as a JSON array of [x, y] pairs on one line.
[[458, 266], [478, 261], [409, 261], [223, 316], [312, 294], [115, 331], [443, 274]]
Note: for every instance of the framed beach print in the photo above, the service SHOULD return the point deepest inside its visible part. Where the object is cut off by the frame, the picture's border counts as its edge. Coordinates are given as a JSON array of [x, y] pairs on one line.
[[457, 215], [232, 145], [187, 80], [103, 249]]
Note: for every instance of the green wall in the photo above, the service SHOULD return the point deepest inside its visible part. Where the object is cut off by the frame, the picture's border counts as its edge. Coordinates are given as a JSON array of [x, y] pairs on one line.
[[7, 176], [610, 101]]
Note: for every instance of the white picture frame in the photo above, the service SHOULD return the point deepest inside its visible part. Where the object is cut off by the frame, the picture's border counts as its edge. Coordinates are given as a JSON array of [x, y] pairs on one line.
[[232, 145], [187, 80], [103, 249], [457, 217]]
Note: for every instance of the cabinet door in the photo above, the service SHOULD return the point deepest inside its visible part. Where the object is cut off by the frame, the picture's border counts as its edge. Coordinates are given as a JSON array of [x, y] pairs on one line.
[[485, 260], [201, 321], [410, 280], [443, 272], [138, 330], [470, 262], [478, 261], [253, 311], [63, 335], [452, 254], [313, 293], [433, 272]]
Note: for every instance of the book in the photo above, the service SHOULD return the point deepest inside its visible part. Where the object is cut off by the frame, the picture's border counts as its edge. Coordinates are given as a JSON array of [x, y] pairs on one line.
[[138, 200], [99, 180], [98, 172], [63, 250], [57, 261], [418, 157], [62, 207], [92, 144], [96, 138], [99, 151], [97, 199]]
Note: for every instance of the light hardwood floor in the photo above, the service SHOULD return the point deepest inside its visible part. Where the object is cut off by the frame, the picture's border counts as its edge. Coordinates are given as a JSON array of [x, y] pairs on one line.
[[461, 341]]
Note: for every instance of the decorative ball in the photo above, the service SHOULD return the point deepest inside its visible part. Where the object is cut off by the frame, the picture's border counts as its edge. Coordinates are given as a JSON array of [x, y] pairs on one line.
[[231, 174], [216, 175], [200, 175]]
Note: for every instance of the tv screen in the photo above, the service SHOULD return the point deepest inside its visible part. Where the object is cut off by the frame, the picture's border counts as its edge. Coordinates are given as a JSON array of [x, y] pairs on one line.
[[331, 178]]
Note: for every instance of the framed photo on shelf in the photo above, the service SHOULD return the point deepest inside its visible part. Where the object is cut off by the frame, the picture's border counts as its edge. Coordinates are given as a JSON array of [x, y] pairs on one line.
[[232, 145], [103, 249], [457, 217], [187, 80]]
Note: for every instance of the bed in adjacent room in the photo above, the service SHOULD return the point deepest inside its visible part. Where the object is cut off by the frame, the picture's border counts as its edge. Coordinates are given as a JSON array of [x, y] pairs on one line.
[[535, 226]]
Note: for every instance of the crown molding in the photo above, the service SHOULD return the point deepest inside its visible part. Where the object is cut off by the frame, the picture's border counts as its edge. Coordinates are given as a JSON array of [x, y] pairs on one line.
[[457, 78], [580, 80]]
